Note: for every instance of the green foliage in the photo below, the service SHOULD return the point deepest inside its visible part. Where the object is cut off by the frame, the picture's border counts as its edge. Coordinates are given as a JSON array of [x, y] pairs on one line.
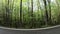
[[11, 18]]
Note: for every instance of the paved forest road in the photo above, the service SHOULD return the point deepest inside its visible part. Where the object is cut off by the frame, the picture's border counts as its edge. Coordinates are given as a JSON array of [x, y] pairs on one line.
[[49, 31]]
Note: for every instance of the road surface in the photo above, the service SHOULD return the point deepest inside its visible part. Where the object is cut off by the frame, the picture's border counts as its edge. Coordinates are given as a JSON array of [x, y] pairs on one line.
[[48, 31]]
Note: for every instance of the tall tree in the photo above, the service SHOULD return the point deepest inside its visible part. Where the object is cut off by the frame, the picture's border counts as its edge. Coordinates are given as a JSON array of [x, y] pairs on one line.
[[38, 5], [31, 8], [58, 8], [57, 2], [49, 4], [28, 8], [32, 13], [46, 12], [20, 13], [12, 9], [7, 13]]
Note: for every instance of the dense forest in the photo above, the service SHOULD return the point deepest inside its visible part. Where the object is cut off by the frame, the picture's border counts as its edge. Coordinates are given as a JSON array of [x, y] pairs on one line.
[[29, 13]]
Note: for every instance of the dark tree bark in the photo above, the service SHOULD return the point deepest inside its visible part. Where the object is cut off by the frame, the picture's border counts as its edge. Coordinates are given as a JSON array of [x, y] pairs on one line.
[[49, 2], [46, 12], [32, 14], [12, 8], [7, 9], [28, 9], [7, 13], [20, 13], [32, 8]]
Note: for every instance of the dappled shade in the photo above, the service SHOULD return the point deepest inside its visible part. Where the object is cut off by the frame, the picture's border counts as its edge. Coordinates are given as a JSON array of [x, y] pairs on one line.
[[29, 13]]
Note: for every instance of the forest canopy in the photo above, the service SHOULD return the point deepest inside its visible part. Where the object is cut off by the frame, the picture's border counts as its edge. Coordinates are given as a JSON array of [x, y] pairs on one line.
[[29, 13]]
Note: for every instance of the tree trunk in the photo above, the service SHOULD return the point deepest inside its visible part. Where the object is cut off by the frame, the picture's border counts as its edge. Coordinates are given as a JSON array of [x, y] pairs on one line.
[[32, 14], [49, 1], [46, 12], [20, 13]]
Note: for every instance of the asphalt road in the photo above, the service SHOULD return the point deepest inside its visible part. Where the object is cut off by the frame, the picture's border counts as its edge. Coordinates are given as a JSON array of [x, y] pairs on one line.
[[48, 31]]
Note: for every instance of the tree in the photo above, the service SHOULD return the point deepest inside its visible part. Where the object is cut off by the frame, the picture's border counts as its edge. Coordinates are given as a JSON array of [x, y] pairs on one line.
[[58, 8], [38, 5], [32, 13], [20, 13], [28, 8], [7, 14], [32, 9], [49, 5], [46, 12]]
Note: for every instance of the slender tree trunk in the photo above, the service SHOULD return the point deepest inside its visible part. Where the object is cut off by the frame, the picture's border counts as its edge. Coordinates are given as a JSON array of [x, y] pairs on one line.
[[49, 1], [2, 21], [20, 13], [32, 8], [7, 14], [12, 9], [7, 10], [28, 9], [32, 13], [38, 5], [46, 12]]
